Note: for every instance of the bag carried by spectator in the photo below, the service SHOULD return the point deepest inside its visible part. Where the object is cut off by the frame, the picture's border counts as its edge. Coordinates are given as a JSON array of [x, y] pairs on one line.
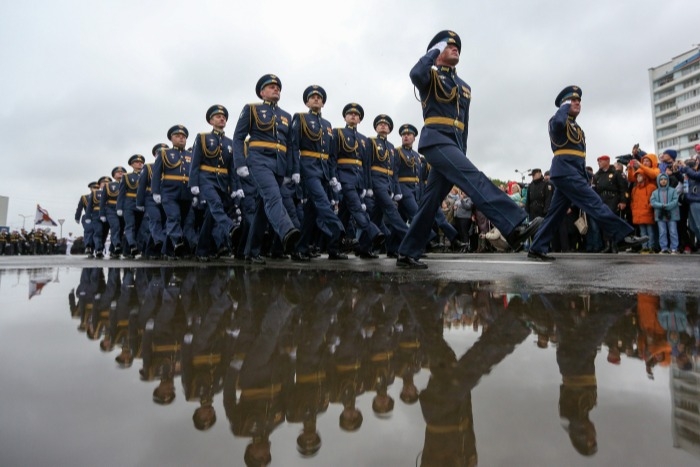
[[581, 223]]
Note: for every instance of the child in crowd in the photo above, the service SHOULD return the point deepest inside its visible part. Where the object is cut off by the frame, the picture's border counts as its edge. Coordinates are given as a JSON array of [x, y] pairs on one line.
[[664, 201], [642, 212]]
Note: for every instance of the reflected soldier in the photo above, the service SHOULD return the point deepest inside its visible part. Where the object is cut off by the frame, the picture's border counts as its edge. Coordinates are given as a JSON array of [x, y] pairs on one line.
[[126, 205], [98, 324], [127, 304]]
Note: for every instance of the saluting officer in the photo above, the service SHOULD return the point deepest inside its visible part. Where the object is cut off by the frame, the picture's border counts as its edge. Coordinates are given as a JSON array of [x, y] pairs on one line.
[[445, 99], [570, 179], [212, 179], [87, 227], [350, 164], [95, 219], [269, 161], [126, 205], [384, 183], [154, 212], [311, 138], [170, 176]]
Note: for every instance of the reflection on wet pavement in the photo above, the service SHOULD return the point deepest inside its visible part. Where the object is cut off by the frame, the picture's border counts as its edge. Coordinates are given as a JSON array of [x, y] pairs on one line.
[[266, 350]]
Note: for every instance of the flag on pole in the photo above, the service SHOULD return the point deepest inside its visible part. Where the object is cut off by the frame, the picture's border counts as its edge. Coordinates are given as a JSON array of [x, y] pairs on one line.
[[42, 217], [36, 286]]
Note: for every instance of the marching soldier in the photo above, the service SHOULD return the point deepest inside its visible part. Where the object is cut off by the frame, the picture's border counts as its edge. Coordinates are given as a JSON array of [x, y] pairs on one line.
[[126, 205], [445, 99], [311, 144], [82, 218], [154, 212], [169, 185], [350, 167], [384, 183], [270, 161], [212, 180], [95, 219], [108, 211]]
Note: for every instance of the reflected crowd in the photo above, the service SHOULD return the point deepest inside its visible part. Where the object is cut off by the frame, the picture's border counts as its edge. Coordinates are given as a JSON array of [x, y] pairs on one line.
[[278, 347]]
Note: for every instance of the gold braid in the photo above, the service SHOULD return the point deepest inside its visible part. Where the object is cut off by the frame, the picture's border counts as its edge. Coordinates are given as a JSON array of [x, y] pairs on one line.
[[258, 122], [166, 161], [308, 132], [409, 162], [377, 154], [128, 183], [345, 147], [207, 153]]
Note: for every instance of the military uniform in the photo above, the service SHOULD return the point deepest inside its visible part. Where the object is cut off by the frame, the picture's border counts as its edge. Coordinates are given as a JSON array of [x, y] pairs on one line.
[[311, 140], [384, 183], [269, 161], [350, 165], [126, 205], [212, 173], [570, 179], [153, 211], [98, 226], [82, 215], [4, 240], [108, 213], [169, 185], [445, 99]]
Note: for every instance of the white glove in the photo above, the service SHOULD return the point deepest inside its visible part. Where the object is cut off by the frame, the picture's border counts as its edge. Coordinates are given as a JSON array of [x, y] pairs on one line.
[[88, 221], [194, 190], [568, 101], [242, 172], [234, 194], [364, 206], [296, 178], [140, 208], [398, 197], [240, 193], [195, 201], [120, 213], [439, 46], [335, 185], [238, 212], [286, 180], [156, 198], [369, 193], [103, 218], [77, 221], [363, 194]]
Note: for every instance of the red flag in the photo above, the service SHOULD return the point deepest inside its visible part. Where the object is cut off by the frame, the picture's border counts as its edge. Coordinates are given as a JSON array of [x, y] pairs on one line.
[[42, 217]]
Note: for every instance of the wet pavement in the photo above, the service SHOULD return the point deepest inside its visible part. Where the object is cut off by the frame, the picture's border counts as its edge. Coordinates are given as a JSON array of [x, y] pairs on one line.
[[592, 360]]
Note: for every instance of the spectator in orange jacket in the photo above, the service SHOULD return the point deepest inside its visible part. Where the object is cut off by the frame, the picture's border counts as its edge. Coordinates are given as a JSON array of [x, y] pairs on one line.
[[649, 167], [642, 212]]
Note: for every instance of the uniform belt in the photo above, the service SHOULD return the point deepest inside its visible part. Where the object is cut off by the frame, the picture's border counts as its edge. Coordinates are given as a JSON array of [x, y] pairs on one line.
[[148, 188], [444, 121], [178, 178], [610, 193], [112, 201], [96, 208], [350, 161], [408, 179], [382, 170], [268, 145], [569, 152], [317, 155], [131, 195], [216, 170]]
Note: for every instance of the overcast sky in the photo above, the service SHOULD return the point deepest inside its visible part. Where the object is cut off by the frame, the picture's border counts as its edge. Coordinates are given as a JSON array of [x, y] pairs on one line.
[[87, 84]]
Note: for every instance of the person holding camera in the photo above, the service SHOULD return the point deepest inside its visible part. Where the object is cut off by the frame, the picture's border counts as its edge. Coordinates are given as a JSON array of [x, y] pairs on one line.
[[691, 191], [664, 200]]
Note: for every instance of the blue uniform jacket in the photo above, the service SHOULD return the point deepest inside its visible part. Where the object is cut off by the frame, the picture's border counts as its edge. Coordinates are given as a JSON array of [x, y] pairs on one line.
[[384, 165], [110, 192], [445, 99], [312, 138], [82, 206], [568, 145], [126, 199], [144, 187], [212, 161], [269, 129], [350, 145], [171, 173], [94, 202]]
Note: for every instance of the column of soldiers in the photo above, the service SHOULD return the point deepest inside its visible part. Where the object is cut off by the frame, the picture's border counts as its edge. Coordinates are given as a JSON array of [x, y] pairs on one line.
[[282, 186], [310, 341]]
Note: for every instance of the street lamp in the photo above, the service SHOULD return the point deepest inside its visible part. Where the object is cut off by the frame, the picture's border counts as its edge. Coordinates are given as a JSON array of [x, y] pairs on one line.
[[24, 219], [523, 173], [61, 221]]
